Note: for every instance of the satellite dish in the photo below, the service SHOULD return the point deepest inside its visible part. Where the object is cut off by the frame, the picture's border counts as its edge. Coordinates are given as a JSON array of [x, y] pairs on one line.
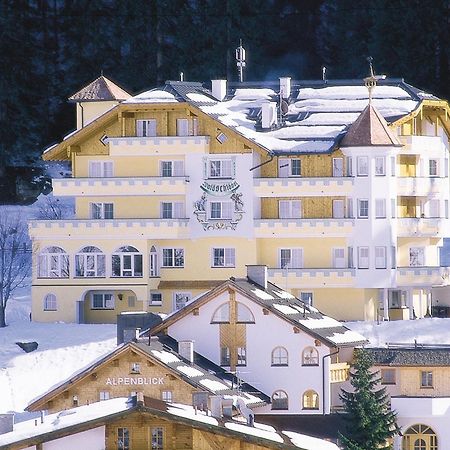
[[284, 107]]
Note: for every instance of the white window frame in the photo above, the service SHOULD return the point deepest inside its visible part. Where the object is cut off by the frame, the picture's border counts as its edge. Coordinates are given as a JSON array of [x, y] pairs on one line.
[[107, 300], [295, 258], [50, 302], [380, 257], [393, 166], [222, 168], [174, 211], [180, 299], [290, 209], [417, 256], [362, 166], [101, 169], [286, 168], [241, 353], [53, 264], [153, 302], [132, 259], [363, 260], [426, 379], [173, 255], [280, 400], [167, 396], [363, 211], [380, 166], [220, 209], [349, 166], [279, 357], [307, 298], [90, 264], [223, 257], [310, 357], [99, 211], [338, 167], [338, 259], [171, 168], [103, 395], [433, 167], [380, 208], [338, 212], [393, 208], [187, 126], [146, 127]]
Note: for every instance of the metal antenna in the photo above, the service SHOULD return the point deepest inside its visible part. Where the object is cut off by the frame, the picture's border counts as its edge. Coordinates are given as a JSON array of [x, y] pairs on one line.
[[240, 60], [371, 81], [324, 74]]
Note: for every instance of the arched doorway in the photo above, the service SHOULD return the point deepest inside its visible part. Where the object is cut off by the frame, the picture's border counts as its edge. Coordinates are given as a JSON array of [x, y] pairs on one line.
[[419, 437]]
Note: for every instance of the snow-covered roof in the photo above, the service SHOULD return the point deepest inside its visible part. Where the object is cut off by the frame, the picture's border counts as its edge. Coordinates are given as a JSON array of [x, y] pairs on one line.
[[90, 416]]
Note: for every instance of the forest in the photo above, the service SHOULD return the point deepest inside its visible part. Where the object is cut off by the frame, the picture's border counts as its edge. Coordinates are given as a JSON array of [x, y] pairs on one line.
[[51, 48]]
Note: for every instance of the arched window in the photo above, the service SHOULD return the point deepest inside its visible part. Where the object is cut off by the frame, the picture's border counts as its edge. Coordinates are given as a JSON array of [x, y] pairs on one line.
[[90, 262], [243, 314], [53, 262], [280, 400], [310, 357], [419, 437], [279, 356], [310, 400], [221, 314], [154, 266], [50, 302], [127, 262]]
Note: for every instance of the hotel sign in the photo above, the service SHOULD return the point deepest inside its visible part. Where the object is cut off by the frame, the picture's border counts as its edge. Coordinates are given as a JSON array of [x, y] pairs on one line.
[[219, 189], [128, 381]]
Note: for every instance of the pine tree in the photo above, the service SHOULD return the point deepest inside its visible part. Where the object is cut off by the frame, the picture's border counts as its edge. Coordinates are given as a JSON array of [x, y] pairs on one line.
[[370, 421]]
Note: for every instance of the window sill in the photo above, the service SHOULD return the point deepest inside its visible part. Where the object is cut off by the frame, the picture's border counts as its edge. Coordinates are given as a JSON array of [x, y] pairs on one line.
[[127, 276], [155, 304], [279, 409], [310, 409], [310, 365], [427, 387], [82, 278], [279, 365], [223, 267], [52, 278], [102, 309], [50, 310], [171, 267]]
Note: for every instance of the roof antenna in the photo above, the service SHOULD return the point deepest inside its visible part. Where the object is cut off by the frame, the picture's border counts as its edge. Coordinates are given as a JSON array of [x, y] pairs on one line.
[[324, 74], [371, 81], [181, 76], [240, 60]]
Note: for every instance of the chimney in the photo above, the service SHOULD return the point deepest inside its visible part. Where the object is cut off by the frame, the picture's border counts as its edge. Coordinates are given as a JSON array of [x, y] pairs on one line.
[[186, 350], [216, 406], [6, 423], [269, 114], [257, 274], [285, 87], [219, 89]]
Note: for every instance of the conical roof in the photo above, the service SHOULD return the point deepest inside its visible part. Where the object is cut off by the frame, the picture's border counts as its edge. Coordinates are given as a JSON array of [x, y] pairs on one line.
[[101, 89], [370, 129]]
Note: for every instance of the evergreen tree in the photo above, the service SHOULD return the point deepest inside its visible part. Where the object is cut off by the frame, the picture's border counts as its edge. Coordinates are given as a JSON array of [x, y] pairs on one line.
[[370, 421]]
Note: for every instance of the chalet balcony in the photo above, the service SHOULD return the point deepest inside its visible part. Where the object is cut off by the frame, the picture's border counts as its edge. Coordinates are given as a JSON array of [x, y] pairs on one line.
[[417, 145], [120, 186], [300, 186], [112, 228], [423, 276], [157, 145], [339, 372], [312, 278], [267, 228], [426, 227], [422, 186]]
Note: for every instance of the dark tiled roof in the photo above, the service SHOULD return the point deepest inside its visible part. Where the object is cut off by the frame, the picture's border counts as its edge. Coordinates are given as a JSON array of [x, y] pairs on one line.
[[415, 356]]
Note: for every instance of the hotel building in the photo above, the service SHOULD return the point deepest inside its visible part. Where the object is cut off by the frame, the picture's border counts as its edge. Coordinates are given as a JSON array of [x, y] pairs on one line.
[[180, 187]]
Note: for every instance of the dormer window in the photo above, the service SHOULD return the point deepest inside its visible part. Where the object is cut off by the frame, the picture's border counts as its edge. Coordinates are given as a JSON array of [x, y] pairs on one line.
[[135, 368]]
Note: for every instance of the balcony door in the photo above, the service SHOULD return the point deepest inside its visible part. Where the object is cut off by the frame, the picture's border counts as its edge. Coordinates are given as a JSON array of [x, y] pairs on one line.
[[338, 167], [339, 258], [338, 209]]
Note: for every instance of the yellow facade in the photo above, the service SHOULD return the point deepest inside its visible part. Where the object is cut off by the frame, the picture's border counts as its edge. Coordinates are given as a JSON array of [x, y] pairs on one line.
[[138, 190]]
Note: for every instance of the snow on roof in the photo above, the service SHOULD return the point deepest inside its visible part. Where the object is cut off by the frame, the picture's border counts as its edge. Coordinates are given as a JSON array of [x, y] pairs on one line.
[[324, 322], [352, 92], [348, 336], [200, 98], [254, 431], [253, 94], [66, 418], [309, 442], [152, 96], [213, 385], [262, 294], [190, 371], [285, 309], [283, 294], [189, 412], [164, 356], [307, 132]]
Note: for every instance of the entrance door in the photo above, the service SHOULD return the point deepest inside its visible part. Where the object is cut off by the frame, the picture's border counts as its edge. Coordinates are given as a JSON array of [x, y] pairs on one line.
[[338, 167], [338, 209]]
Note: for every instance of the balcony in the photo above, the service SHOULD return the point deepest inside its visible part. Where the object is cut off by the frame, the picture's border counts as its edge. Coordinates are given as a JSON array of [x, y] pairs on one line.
[[267, 228], [114, 229], [422, 276], [339, 372], [119, 186], [433, 227], [306, 187], [422, 186], [311, 278], [416, 145], [157, 145]]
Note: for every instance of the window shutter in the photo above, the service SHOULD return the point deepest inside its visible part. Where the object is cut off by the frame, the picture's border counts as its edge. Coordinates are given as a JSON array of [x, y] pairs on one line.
[[380, 257], [297, 209], [283, 167], [194, 127], [226, 168], [296, 258], [283, 206], [229, 257], [182, 127], [109, 301], [178, 210], [43, 267], [139, 128], [108, 169], [227, 210], [178, 168], [95, 169], [151, 127]]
